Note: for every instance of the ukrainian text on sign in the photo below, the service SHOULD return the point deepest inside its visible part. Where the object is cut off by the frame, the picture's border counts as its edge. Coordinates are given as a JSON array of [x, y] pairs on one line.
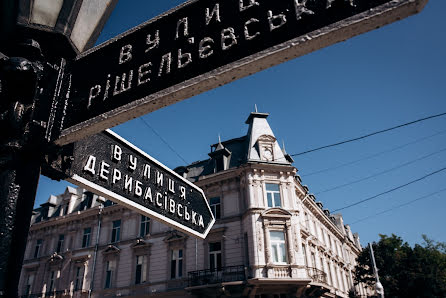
[[112, 167], [158, 63]]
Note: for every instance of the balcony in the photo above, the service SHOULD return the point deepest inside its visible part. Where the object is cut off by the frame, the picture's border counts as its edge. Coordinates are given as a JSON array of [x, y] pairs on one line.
[[208, 276], [317, 275]]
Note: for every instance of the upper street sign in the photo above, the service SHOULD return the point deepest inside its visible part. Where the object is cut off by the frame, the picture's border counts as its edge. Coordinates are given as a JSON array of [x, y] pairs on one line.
[[108, 165], [203, 44]]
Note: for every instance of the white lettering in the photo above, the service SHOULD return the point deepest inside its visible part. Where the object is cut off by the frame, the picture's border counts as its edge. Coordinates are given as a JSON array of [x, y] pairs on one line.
[[159, 178], [228, 34], [200, 221], [166, 59], [159, 196], [181, 57], [247, 35], [171, 206], [117, 153], [171, 185], [186, 214], [179, 206], [251, 3], [90, 165], [153, 43], [116, 176], [142, 72], [148, 194], [122, 87], [128, 183], [138, 188], [215, 12], [194, 220], [205, 51], [126, 54], [146, 171], [301, 8], [104, 170], [94, 92], [185, 23], [132, 162], [182, 192], [272, 19]]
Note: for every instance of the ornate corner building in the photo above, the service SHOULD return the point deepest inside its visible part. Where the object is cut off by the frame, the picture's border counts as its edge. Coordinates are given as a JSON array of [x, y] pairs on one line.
[[271, 238]]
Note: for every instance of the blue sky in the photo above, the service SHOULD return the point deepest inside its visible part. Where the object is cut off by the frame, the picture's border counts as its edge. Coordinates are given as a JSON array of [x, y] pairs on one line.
[[378, 80]]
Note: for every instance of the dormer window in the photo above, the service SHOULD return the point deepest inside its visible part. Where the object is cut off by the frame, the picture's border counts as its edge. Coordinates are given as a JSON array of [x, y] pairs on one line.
[[265, 147], [220, 157]]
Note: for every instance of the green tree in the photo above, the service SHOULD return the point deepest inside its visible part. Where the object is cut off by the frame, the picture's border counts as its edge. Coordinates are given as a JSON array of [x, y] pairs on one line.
[[405, 271]]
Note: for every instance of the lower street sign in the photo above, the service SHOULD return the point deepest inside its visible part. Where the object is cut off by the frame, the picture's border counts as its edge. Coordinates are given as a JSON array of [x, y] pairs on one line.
[[108, 165], [201, 45]]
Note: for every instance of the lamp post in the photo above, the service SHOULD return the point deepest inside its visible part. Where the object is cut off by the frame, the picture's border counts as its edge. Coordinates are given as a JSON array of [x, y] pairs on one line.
[[378, 286], [38, 39]]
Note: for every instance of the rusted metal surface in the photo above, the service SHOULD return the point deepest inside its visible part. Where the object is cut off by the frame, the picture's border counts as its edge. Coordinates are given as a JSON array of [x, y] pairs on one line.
[[201, 45]]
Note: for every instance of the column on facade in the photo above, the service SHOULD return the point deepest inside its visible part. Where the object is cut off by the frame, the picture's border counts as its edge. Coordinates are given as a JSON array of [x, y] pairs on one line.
[[289, 236], [267, 245]]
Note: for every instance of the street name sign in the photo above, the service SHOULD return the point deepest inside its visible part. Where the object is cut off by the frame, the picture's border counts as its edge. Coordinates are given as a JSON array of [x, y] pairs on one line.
[[110, 166], [201, 45]]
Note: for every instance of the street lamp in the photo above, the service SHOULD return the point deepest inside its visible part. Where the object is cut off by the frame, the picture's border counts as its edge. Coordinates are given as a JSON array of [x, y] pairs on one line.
[[37, 38]]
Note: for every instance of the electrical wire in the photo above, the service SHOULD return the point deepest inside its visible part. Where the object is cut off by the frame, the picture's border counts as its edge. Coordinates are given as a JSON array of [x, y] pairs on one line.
[[372, 155], [368, 135], [390, 190], [399, 206], [380, 173], [163, 140]]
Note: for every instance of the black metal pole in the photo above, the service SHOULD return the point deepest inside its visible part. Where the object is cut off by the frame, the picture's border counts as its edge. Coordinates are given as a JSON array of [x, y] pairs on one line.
[[23, 82], [18, 184]]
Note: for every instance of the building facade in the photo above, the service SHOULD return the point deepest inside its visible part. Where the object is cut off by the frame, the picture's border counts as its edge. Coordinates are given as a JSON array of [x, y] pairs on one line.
[[271, 237]]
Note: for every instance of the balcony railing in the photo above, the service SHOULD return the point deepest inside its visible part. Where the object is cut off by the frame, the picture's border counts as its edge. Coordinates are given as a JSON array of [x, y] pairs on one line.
[[317, 275], [53, 294], [224, 274]]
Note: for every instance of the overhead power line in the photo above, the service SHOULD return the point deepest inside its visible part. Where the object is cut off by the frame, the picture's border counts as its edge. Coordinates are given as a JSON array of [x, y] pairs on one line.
[[390, 190], [381, 173], [399, 206], [372, 155], [163, 140], [368, 135]]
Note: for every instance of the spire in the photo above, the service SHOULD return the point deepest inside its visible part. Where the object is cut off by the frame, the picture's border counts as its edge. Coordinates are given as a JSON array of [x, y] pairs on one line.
[[220, 145], [261, 139], [255, 108]]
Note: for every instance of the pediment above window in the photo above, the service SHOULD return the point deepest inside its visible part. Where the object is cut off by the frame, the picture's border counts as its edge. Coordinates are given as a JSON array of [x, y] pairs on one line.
[[276, 213], [174, 236], [111, 249], [55, 258], [140, 244]]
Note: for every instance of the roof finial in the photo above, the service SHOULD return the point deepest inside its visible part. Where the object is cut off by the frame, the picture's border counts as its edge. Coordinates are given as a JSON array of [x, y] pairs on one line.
[[283, 147], [255, 107], [219, 139]]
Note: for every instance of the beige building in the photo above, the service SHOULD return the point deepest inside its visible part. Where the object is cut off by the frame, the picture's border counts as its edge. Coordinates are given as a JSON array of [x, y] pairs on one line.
[[271, 238]]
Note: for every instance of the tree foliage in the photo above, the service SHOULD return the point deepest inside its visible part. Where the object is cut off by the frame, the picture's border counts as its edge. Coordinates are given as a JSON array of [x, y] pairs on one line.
[[405, 271]]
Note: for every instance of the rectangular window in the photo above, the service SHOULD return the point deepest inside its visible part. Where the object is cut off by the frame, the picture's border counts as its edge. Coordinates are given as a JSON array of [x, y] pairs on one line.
[[116, 231], [109, 272], [51, 282], [29, 284], [38, 248], [304, 252], [273, 195], [215, 256], [141, 270], [144, 226], [214, 203], [60, 242], [176, 264], [86, 237], [79, 279], [278, 247]]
